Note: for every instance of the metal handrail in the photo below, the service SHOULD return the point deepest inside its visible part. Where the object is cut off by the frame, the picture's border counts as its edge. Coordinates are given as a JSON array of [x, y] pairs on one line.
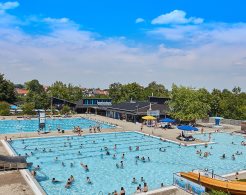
[[208, 173]]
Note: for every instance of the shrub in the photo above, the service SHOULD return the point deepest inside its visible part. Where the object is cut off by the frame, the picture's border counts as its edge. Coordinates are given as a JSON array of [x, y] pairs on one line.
[[4, 109]]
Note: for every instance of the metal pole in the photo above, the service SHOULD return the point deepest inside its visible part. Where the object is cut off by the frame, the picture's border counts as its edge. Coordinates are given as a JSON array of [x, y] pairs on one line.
[[51, 106]]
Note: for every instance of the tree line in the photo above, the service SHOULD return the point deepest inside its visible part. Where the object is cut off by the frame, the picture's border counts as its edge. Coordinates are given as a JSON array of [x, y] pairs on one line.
[[186, 103]]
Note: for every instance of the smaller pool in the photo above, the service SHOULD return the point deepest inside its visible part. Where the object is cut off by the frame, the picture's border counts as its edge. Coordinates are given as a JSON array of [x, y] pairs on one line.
[[31, 125]]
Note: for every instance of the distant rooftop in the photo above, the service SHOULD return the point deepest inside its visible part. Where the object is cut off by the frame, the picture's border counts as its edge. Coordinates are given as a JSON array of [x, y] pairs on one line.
[[21, 91]]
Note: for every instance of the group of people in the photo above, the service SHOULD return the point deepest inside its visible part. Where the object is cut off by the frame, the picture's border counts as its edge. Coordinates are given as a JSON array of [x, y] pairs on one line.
[[233, 156], [122, 192], [78, 130], [95, 129], [143, 159], [205, 154], [138, 190]]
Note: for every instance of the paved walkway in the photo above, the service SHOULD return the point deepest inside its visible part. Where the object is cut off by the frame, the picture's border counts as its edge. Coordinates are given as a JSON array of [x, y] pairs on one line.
[[12, 183]]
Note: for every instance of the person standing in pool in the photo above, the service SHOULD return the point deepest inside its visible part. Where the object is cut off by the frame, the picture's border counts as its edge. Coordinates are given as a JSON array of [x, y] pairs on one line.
[[122, 191], [138, 190], [121, 164], [145, 188], [88, 180], [72, 178], [68, 184]]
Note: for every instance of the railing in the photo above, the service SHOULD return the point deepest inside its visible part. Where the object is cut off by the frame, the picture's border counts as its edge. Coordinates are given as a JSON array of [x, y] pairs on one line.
[[210, 174], [8, 166], [223, 121]]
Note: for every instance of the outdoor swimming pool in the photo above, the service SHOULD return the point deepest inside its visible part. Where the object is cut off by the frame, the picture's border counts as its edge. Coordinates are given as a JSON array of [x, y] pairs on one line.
[[31, 125], [102, 169]]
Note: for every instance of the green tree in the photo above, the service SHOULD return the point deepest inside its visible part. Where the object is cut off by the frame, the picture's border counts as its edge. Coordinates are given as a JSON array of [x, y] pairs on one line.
[[233, 104], [20, 86], [4, 109], [115, 92], [7, 90], [120, 93], [188, 104], [37, 95], [34, 86], [155, 89], [133, 91], [215, 102], [67, 92], [28, 108], [65, 109]]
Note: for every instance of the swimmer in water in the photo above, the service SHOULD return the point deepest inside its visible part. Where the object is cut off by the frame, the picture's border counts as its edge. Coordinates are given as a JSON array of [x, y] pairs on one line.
[[84, 166], [121, 164], [54, 180], [134, 180], [88, 180]]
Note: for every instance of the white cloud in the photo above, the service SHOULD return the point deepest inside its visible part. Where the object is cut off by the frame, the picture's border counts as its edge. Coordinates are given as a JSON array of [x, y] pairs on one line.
[[56, 20], [9, 5], [176, 17], [202, 34], [6, 19], [139, 20], [214, 54]]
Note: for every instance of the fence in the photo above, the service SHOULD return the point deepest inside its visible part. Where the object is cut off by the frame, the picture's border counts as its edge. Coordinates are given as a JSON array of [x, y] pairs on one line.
[[223, 121]]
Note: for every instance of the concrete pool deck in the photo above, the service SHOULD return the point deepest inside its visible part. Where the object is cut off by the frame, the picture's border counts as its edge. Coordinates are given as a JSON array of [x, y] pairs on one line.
[[14, 183]]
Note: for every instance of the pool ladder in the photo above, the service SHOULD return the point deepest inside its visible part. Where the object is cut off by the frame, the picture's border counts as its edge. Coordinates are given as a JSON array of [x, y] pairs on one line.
[[100, 193]]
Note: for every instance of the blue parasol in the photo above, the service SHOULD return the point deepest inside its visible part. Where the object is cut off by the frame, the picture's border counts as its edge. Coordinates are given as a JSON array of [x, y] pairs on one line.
[[187, 128], [167, 120]]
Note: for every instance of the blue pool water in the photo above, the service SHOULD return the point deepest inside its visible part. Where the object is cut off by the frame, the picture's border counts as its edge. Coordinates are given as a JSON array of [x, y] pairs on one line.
[[102, 170], [31, 125]]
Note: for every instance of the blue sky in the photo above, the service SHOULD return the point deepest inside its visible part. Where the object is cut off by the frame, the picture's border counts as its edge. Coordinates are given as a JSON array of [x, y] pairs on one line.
[[95, 43]]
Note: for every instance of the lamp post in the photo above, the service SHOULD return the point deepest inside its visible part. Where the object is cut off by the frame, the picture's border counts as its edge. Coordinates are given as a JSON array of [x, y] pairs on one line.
[[51, 105]]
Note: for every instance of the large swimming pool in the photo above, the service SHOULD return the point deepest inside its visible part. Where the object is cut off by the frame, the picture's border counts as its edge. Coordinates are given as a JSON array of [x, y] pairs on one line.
[[31, 125], [104, 174]]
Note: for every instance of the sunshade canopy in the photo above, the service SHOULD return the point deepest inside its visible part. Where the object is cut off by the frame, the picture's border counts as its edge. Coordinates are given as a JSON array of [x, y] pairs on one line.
[[167, 120], [148, 118], [187, 128]]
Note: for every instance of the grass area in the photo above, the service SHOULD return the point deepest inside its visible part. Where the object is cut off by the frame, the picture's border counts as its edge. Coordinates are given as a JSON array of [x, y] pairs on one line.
[[244, 180], [215, 192]]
